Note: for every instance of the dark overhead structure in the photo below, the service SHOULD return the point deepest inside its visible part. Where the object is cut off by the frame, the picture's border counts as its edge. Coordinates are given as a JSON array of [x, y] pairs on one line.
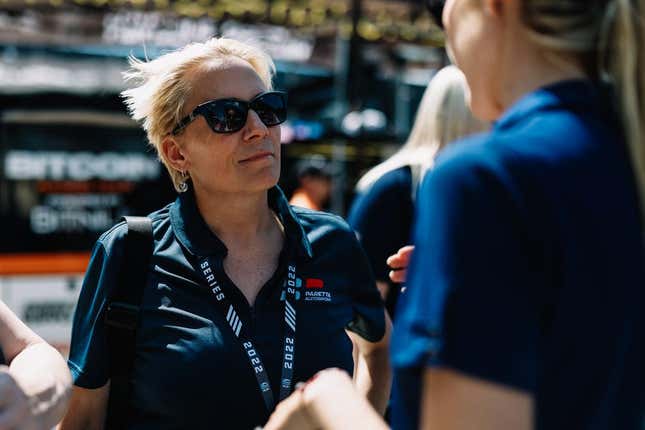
[[371, 20]]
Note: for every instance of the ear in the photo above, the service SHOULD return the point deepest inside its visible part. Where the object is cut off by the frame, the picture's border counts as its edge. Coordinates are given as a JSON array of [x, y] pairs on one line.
[[172, 152]]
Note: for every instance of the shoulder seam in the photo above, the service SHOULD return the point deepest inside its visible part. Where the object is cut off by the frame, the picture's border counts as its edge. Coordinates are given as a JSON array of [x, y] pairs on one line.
[[111, 231], [322, 215]]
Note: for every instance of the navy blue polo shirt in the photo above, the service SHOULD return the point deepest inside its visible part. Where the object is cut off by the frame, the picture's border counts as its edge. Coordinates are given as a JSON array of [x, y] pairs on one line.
[[528, 269], [190, 370], [382, 217]]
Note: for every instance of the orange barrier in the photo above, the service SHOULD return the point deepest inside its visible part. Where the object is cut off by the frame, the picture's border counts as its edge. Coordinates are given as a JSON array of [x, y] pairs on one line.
[[44, 263]]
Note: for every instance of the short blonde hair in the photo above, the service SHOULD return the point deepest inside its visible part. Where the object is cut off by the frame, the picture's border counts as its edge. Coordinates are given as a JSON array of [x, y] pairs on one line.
[[163, 85]]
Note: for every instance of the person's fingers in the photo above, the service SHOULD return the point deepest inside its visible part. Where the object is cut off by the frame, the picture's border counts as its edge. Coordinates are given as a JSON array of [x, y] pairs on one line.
[[401, 259], [277, 420], [398, 276], [326, 384], [287, 414], [405, 254], [393, 260], [399, 262], [330, 371]]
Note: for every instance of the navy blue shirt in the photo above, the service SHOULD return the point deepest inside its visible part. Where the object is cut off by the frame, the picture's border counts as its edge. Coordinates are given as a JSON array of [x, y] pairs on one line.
[[528, 270], [382, 217], [190, 370]]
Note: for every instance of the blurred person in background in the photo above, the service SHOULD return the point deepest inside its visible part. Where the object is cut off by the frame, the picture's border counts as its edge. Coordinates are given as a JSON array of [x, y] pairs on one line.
[[34, 381], [234, 269], [383, 210], [314, 184], [524, 307]]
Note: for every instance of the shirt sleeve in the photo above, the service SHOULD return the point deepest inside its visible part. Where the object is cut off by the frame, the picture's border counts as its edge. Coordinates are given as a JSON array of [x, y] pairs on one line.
[[88, 357], [382, 217], [368, 308], [470, 302]]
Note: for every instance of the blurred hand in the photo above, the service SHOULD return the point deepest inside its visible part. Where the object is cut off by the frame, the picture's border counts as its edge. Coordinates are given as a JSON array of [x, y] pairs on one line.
[[329, 401], [318, 404], [399, 264], [333, 403], [328, 388], [291, 414], [15, 411]]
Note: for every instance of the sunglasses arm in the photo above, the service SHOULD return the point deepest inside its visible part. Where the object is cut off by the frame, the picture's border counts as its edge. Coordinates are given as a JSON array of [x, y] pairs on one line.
[[184, 122]]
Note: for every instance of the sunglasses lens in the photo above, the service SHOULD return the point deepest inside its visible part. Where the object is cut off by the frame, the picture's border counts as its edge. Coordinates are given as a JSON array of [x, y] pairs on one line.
[[226, 116], [229, 115], [271, 108], [435, 7]]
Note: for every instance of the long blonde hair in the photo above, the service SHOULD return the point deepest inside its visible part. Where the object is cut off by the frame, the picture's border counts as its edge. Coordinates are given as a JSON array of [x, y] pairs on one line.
[[610, 36], [442, 116]]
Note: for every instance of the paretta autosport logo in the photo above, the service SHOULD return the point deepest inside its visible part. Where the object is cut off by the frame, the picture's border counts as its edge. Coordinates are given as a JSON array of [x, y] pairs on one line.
[[314, 290]]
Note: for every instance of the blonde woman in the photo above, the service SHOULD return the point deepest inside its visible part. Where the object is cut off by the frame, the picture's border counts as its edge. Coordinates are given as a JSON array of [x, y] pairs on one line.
[[525, 298], [383, 210], [234, 269]]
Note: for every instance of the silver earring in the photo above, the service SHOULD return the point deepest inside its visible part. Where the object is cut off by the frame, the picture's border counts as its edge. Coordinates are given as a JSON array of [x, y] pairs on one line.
[[183, 185]]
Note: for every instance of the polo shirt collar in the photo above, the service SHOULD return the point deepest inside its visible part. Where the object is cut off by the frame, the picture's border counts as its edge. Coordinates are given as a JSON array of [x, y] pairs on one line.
[[194, 234], [572, 94]]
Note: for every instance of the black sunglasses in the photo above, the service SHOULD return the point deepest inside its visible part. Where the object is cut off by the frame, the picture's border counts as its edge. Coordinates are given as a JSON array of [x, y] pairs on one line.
[[229, 115], [435, 7]]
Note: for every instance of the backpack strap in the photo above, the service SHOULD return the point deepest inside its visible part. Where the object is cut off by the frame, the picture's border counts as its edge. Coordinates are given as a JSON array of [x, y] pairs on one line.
[[122, 318]]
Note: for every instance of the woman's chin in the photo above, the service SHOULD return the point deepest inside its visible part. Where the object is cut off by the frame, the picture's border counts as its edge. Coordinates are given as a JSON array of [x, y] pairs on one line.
[[264, 182]]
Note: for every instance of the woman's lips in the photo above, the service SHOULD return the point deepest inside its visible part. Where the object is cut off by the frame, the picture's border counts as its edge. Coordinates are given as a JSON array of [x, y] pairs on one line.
[[256, 157]]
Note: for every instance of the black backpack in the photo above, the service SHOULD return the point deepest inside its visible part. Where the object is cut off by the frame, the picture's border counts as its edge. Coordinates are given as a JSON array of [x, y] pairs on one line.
[[122, 318]]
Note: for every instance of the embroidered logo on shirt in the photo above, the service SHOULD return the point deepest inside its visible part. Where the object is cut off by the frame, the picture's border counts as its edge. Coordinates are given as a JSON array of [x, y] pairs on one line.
[[313, 291], [316, 296]]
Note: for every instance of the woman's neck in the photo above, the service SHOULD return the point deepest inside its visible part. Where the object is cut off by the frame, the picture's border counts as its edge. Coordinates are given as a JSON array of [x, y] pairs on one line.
[[236, 218], [529, 67], [528, 78]]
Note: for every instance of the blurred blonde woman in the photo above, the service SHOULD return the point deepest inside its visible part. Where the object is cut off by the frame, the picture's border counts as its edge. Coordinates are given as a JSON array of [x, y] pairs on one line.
[[383, 210], [526, 290]]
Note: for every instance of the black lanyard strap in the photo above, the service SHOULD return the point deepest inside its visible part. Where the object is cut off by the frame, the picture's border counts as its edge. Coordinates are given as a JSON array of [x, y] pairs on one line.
[[289, 344], [235, 322]]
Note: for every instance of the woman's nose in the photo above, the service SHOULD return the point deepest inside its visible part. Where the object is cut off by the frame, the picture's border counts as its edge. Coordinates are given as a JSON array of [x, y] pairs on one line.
[[254, 126]]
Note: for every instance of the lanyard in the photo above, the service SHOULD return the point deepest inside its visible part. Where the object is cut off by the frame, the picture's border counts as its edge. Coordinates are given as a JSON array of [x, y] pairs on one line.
[[289, 297]]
